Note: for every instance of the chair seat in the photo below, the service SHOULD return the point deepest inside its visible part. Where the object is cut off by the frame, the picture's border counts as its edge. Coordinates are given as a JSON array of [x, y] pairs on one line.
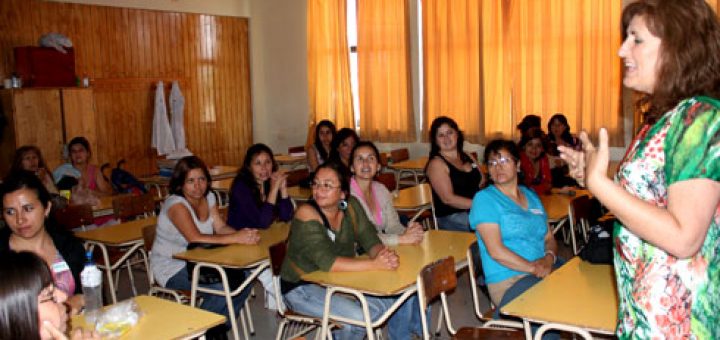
[[488, 333]]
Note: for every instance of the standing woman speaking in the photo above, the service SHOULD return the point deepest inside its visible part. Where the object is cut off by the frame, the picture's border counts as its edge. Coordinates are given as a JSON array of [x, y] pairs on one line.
[[666, 194]]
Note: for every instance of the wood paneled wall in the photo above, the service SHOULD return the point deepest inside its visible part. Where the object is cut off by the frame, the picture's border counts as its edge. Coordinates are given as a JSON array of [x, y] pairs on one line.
[[126, 51]]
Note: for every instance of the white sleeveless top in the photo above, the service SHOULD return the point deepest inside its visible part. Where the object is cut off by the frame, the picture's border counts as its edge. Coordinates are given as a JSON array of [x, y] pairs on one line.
[[169, 240]]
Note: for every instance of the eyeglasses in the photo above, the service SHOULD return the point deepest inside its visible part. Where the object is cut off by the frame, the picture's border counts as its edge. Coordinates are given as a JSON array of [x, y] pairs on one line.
[[498, 161], [323, 186]]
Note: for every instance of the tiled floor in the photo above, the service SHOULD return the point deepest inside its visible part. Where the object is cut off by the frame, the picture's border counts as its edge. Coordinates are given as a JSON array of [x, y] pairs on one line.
[[265, 320]]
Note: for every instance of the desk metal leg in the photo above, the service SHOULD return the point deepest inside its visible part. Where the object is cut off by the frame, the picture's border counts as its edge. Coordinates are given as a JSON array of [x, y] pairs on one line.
[[528, 329], [108, 267], [225, 292]]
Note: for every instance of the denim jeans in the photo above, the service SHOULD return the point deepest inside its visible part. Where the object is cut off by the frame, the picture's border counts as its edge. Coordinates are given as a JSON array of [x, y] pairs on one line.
[[211, 302], [454, 222], [309, 299]]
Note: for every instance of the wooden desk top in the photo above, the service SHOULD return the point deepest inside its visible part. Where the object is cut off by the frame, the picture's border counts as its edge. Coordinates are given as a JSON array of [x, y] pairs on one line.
[[579, 294], [556, 205], [239, 255], [155, 179], [416, 164], [119, 234], [437, 244], [413, 198], [283, 159], [163, 319], [299, 193], [223, 171], [222, 184]]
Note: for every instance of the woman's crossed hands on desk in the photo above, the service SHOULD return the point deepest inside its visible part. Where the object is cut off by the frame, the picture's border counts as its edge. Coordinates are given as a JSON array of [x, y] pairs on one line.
[[386, 259]]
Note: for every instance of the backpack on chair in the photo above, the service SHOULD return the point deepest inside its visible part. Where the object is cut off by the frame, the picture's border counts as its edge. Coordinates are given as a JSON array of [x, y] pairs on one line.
[[123, 181]]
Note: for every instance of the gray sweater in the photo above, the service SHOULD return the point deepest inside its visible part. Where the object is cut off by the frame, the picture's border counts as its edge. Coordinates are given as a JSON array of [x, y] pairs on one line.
[[391, 227]]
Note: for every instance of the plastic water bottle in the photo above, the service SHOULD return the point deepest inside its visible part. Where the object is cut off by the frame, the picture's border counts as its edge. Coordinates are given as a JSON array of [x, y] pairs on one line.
[[91, 278]]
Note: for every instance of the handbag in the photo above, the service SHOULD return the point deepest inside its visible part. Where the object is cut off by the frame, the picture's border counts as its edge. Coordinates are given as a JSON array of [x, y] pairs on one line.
[[210, 275], [599, 249]]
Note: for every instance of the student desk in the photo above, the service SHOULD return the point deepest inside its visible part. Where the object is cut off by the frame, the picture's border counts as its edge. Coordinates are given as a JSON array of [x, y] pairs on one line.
[[436, 245], [415, 166], [299, 194], [223, 171], [579, 294], [128, 234], [237, 256], [413, 198], [290, 161], [163, 319]]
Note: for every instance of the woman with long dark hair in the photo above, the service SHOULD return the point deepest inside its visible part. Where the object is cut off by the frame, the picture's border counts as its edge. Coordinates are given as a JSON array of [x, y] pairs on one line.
[[31, 307], [342, 146], [29, 158], [258, 195], [319, 151], [454, 176]]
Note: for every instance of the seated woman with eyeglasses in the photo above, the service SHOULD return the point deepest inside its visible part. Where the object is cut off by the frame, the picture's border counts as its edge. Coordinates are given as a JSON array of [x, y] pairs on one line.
[[31, 307], [516, 244], [323, 236]]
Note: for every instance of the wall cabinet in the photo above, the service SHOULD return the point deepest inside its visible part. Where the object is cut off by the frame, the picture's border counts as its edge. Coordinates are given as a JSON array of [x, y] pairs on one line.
[[47, 118]]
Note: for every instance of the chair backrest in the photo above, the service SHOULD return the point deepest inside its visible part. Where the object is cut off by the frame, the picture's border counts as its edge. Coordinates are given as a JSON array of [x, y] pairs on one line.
[[73, 216], [399, 155], [580, 208], [277, 257], [387, 178], [148, 233], [294, 177], [474, 270], [296, 149], [435, 280], [128, 207], [384, 158]]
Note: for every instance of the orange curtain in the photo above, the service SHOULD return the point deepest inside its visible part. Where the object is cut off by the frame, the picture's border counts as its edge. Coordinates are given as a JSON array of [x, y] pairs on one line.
[[563, 57], [386, 111], [452, 73], [328, 66]]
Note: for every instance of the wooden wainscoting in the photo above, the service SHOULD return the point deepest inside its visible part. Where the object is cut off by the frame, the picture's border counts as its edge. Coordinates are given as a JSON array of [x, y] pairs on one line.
[[126, 51]]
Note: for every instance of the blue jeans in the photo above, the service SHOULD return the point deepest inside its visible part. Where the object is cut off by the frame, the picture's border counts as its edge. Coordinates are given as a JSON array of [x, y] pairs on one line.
[[309, 299], [454, 222], [211, 302]]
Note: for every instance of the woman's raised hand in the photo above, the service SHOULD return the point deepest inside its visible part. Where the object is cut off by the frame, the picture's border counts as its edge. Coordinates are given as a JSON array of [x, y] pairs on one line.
[[247, 236], [591, 163]]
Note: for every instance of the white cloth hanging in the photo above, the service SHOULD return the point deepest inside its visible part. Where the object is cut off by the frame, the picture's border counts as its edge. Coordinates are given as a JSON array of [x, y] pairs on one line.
[[177, 107], [162, 137]]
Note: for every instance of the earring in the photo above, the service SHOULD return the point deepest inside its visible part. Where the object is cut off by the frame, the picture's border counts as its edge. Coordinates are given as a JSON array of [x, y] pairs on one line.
[[343, 204]]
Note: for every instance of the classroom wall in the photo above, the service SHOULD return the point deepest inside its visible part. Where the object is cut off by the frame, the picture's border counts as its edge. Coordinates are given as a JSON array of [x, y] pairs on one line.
[[126, 51]]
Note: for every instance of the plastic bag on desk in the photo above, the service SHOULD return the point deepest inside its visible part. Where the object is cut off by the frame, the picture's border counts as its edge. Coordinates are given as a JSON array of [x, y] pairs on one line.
[[81, 195], [117, 319]]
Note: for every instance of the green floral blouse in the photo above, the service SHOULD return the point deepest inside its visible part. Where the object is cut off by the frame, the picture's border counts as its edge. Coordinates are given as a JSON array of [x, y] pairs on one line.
[[662, 296]]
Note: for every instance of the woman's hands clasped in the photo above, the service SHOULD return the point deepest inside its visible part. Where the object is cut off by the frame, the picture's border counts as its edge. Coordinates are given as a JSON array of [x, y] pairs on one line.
[[413, 234], [247, 236], [386, 259]]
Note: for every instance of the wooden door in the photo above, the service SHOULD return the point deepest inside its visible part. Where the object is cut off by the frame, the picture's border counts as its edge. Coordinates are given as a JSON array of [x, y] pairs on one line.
[[38, 121]]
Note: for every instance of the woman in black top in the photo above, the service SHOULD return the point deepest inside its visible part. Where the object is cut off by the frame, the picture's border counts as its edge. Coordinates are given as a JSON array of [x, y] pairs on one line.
[[453, 174]]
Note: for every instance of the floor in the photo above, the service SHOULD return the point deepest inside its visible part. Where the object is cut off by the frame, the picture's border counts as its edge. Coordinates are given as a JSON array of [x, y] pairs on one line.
[[265, 320]]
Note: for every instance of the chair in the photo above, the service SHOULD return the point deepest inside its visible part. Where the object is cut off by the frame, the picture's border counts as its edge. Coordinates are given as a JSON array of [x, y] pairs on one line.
[[295, 324], [436, 279], [296, 149], [388, 179], [179, 296], [583, 212], [73, 217], [550, 326], [129, 207], [294, 177], [399, 155]]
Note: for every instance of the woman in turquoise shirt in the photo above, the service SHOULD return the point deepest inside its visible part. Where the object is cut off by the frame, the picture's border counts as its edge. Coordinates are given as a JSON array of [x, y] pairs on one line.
[[517, 247]]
